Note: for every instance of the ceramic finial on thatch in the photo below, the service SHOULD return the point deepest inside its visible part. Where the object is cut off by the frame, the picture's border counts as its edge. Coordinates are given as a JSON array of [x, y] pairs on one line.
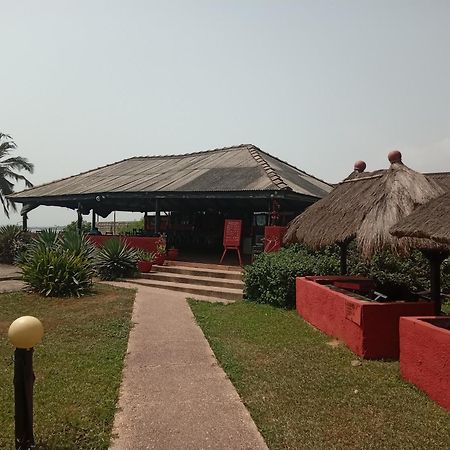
[[360, 166], [395, 157]]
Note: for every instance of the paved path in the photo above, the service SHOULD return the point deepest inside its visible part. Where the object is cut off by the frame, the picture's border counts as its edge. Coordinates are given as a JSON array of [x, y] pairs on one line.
[[10, 278], [174, 395]]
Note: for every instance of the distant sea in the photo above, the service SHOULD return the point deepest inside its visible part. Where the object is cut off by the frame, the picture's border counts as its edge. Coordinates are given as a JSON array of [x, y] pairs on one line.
[[54, 227]]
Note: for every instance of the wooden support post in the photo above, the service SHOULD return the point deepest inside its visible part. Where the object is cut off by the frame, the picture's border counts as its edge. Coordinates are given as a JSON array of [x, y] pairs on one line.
[[157, 216], [79, 220], [93, 220], [24, 222], [344, 252], [436, 258]]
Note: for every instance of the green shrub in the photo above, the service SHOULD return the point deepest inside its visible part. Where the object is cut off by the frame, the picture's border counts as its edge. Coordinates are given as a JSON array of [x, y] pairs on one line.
[[12, 242], [131, 226], [395, 277], [271, 277], [58, 266], [73, 226], [116, 260]]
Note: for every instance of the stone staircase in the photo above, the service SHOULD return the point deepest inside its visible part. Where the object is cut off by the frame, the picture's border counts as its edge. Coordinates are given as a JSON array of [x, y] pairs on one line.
[[202, 280]]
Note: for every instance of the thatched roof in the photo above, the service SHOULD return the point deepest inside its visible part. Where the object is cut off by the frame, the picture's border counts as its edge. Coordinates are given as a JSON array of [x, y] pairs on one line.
[[429, 221], [365, 206]]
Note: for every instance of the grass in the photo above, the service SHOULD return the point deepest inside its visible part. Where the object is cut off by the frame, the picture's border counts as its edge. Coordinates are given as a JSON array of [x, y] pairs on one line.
[[78, 366], [304, 393]]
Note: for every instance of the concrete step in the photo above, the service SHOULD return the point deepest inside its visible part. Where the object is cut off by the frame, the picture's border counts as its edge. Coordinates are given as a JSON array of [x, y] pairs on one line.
[[189, 279], [202, 265], [199, 271], [203, 291]]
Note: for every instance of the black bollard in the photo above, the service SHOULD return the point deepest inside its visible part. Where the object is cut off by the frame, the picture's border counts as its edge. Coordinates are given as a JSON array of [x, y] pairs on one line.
[[23, 398]]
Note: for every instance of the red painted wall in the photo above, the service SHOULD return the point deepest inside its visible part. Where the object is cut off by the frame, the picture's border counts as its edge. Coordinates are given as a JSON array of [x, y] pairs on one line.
[[146, 243], [425, 357], [369, 329]]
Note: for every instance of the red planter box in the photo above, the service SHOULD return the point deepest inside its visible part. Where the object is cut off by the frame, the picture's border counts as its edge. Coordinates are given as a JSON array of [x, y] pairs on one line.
[[425, 355], [369, 329]]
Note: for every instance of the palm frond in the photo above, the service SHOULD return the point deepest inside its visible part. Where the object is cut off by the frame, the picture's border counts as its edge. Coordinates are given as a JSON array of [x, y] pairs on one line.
[[8, 166], [17, 177], [18, 163]]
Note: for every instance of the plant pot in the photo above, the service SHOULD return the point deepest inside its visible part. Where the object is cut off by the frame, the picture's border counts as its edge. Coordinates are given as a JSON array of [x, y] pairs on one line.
[[144, 266], [172, 254], [159, 260]]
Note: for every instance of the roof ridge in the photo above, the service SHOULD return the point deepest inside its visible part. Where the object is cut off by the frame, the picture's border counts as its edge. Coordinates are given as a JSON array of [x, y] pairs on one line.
[[295, 167], [199, 152], [271, 173]]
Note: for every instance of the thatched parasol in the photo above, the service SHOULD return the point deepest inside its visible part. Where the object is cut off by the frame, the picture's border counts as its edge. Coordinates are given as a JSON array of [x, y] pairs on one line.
[[430, 221], [364, 207]]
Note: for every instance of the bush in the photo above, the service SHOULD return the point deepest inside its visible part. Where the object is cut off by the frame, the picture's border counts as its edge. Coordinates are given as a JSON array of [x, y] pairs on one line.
[[396, 277], [12, 242], [58, 266], [116, 260], [271, 277], [130, 227], [73, 226]]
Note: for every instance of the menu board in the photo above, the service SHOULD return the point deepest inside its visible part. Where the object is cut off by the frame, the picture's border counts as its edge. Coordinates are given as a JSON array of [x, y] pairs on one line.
[[232, 233]]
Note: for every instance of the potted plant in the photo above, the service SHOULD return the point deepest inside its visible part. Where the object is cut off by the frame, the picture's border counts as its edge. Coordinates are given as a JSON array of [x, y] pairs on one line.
[[172, 253], [145, 260], [160, 256]]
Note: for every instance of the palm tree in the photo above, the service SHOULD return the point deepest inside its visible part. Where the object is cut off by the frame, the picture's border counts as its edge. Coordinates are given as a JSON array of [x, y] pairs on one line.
[[8, 171]]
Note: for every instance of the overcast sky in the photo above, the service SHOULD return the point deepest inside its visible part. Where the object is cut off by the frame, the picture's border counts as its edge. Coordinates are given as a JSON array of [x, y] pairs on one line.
[[319, 84]]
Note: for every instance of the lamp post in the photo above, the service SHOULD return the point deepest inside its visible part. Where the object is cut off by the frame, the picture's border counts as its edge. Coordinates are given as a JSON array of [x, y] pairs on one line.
[[24, 333]]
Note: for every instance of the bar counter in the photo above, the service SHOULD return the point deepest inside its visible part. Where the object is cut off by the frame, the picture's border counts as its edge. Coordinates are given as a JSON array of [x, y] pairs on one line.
[[149, 244]]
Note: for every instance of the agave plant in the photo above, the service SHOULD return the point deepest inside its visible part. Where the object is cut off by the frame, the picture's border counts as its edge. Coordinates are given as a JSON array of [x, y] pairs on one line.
[[56, 265], [12, 238], [55, 272], [77, 244], [116, 260]]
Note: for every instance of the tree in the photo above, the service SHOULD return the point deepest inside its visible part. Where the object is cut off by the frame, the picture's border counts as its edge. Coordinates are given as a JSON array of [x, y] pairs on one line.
[[9, 166], [85, 226]]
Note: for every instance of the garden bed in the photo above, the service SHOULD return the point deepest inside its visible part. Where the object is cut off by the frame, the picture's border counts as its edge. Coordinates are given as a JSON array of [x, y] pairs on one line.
[[425, 355], [370, 329]]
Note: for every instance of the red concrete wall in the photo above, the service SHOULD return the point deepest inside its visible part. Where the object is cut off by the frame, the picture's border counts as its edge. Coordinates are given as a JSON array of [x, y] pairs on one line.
[[369, 329], [146, 243], [425, 357]]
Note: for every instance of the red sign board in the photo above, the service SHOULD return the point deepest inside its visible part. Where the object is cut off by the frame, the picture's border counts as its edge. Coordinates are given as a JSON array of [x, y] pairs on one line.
[[273, 238], [232, 233]]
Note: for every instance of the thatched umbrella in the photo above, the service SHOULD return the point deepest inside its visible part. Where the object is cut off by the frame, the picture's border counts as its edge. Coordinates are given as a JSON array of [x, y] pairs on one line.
[[364, 207], [430, 221]]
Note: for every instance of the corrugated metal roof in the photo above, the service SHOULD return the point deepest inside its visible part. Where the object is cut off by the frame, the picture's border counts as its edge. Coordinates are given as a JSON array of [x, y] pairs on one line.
[[238, 168]]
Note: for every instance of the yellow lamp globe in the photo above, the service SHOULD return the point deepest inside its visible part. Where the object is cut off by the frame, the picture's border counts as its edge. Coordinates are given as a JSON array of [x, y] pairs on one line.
[[26, 332]]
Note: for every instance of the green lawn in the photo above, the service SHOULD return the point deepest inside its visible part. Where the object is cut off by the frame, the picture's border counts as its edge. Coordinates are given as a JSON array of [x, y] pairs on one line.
[[78, 366], [304, 393]]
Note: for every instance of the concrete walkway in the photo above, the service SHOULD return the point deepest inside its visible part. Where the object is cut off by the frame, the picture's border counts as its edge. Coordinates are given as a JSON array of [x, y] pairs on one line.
[[174, 395], [10, 278]]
